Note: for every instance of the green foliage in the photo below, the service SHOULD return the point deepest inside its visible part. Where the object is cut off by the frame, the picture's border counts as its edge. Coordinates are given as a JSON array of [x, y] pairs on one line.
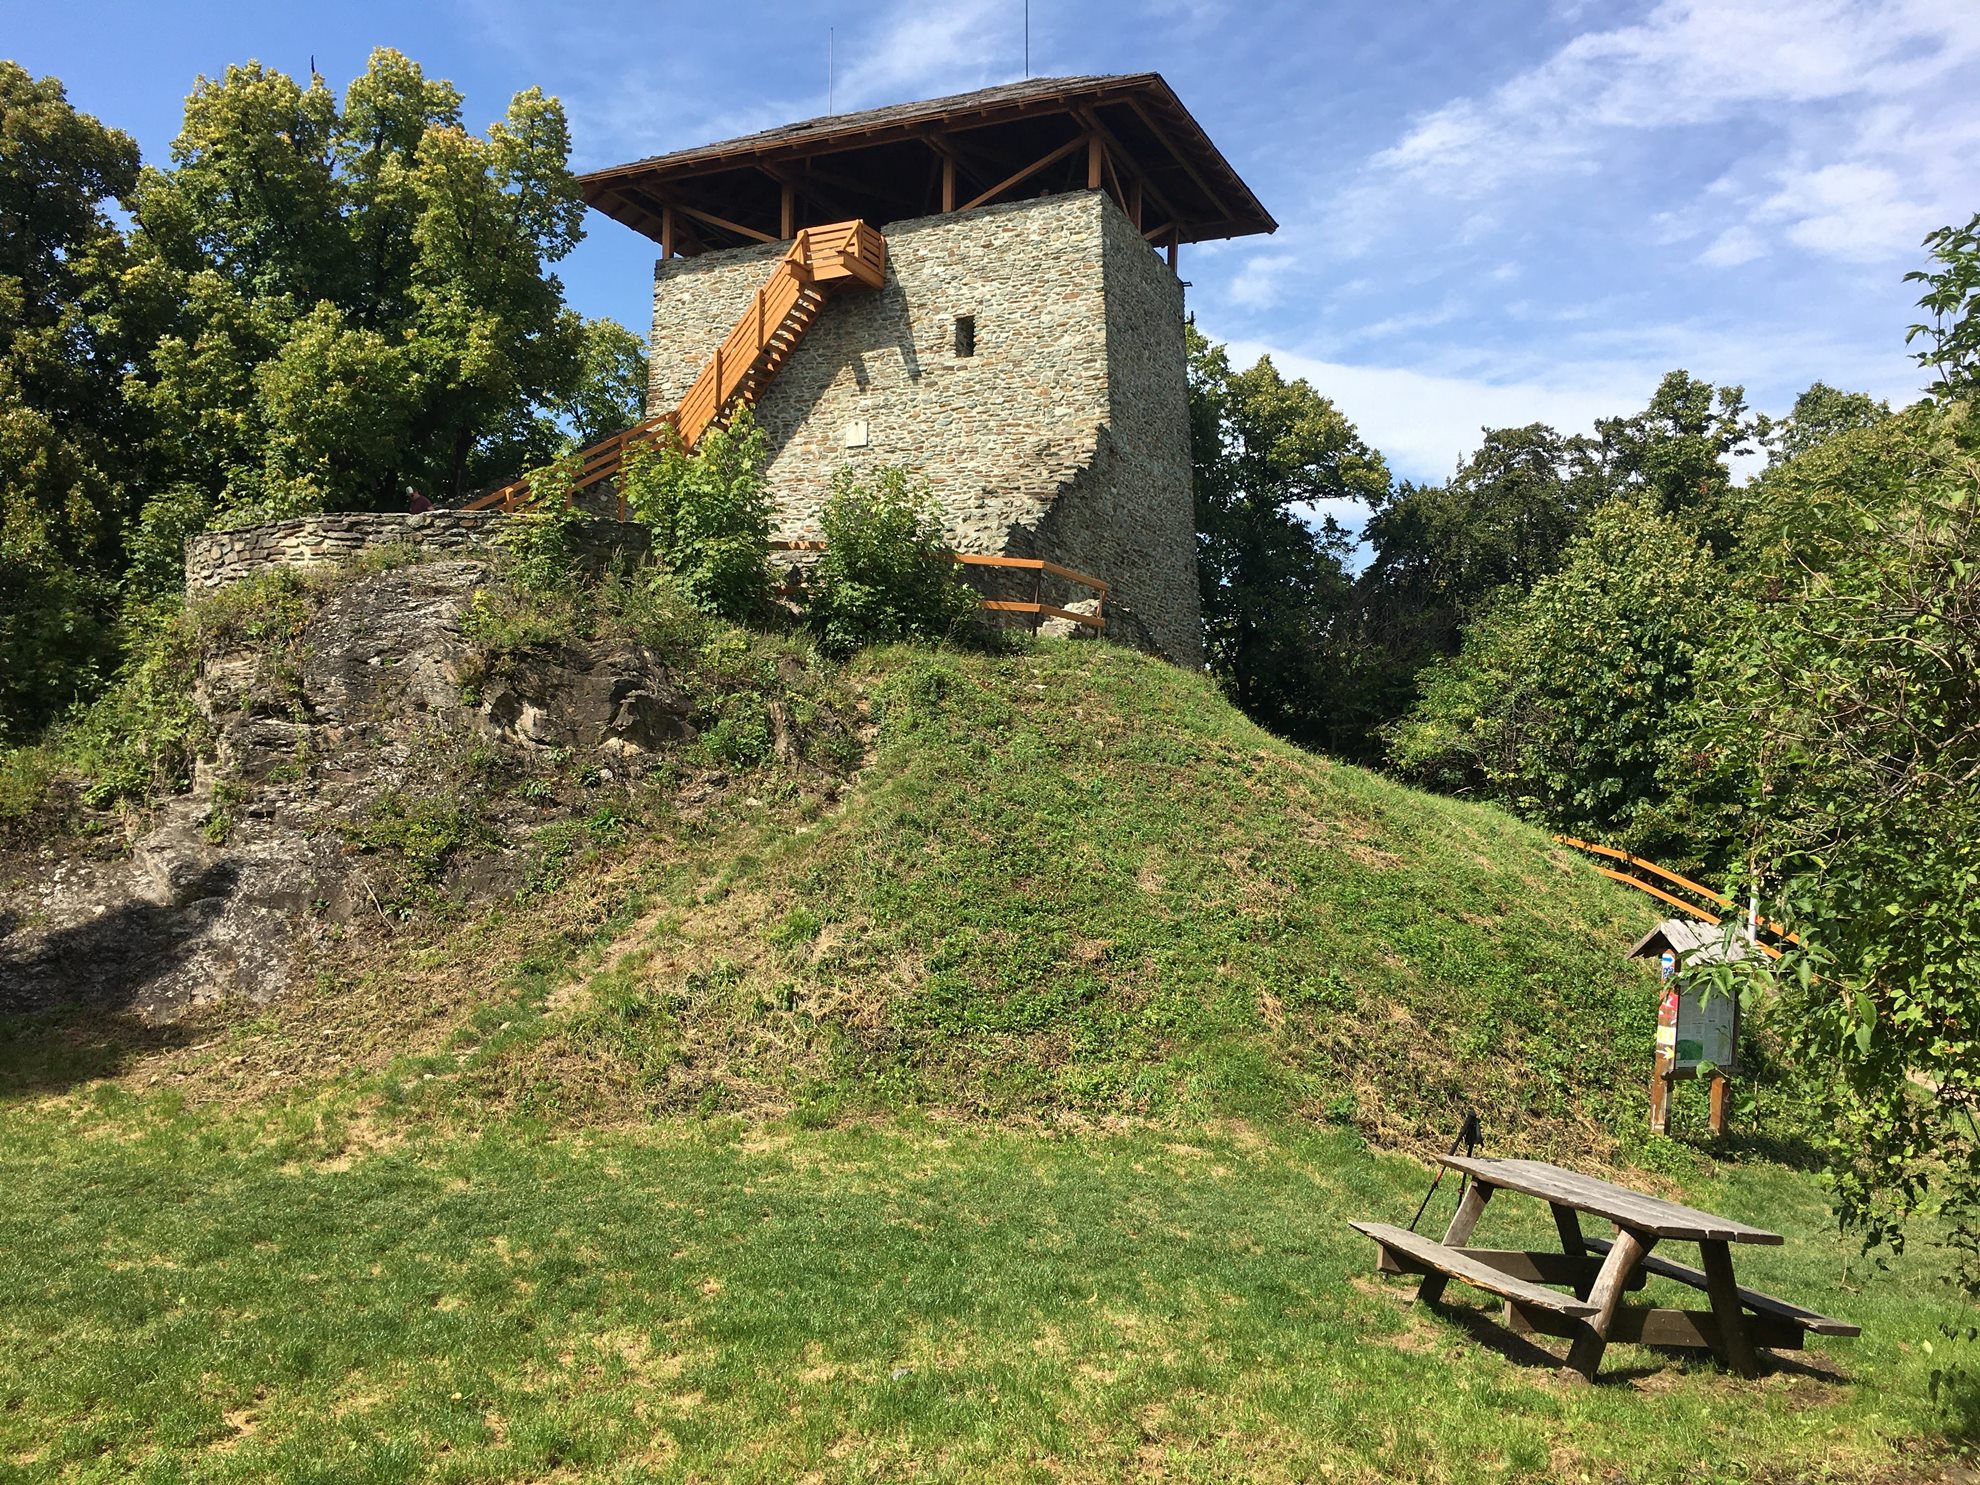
[[1568, 703], [1674, 455], [422, 834], [1446, 553], [540, 541], [1952, 300], [885, 574], [1274, 588], [1820, 414], [64, 444], [354, 297], [1846, 691], [709, 512]]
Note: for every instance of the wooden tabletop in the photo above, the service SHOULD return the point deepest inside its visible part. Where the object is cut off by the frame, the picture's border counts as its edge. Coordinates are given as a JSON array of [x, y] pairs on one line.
[[1625, 1208]]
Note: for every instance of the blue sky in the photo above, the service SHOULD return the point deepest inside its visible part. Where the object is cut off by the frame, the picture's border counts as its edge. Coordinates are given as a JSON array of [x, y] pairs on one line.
[[1492, 213]]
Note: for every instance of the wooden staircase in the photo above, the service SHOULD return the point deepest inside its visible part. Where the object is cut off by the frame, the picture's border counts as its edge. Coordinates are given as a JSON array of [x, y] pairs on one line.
[[821, 261]]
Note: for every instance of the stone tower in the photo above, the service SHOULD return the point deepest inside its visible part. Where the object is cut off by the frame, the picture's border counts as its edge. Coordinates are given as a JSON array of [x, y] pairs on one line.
[[1024, 353]]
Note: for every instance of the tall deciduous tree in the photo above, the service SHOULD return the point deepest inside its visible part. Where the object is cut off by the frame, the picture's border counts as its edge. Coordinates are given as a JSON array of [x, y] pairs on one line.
[[1848, 686], [1265, 452], [1570, 703], [64, 436], [363, 291]]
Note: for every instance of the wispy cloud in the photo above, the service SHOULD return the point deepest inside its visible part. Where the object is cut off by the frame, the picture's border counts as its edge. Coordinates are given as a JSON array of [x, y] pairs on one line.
[[1832, 86]]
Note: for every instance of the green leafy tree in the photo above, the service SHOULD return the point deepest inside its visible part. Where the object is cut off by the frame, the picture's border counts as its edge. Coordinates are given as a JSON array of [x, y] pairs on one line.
[[1952, 301], [1276, 595], [1676, 453], [709, 512], [1820, 414], [885, 574], [64, 434], [1848, 688], [1444, 552], [1569, 704], [359, 296]]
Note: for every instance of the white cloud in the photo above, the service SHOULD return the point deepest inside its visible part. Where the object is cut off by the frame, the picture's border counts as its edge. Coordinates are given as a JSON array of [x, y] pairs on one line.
[[922, 51], [1425, 421], [1260, 283], [1688, 62], [1839, 88], [1853, 211], [1732, 247]]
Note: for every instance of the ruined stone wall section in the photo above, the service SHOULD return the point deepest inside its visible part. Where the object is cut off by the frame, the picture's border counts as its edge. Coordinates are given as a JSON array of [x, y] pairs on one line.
[[217, 558]]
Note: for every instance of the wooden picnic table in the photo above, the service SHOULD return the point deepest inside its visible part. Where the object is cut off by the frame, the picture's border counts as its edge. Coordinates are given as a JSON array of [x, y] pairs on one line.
[[1599, 1271]]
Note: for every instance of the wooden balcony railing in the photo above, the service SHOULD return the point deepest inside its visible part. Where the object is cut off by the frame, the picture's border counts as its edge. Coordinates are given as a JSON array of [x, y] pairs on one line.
[[1036, 607]]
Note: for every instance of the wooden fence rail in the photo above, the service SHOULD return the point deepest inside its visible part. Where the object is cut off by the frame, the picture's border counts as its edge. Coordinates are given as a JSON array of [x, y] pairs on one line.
[[1036, 607]]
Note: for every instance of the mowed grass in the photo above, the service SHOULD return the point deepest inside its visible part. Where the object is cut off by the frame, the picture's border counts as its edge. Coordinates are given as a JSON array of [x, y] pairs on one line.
[[220, 1298]]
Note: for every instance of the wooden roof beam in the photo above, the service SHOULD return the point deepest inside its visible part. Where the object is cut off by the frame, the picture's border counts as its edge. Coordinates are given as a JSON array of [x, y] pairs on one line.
[[1078, 142], [890, 131], [1093, 121], [669, 230], [722, 224], [1162, 138]]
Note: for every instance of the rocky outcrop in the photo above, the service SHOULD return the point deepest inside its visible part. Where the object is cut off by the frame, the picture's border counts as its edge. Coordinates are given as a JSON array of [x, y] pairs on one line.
[[313, 734]]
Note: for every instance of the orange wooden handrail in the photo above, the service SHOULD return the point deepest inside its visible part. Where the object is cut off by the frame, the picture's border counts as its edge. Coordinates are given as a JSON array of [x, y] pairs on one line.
[[1719, 899], [1095, 620], [820, 259]]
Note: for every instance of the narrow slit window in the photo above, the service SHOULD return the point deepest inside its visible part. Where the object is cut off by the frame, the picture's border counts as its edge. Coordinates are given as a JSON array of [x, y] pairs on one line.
[[965, 335]]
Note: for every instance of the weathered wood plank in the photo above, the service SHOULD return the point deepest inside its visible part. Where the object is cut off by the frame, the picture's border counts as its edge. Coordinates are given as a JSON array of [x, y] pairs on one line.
[[1470, 1208], [1536, 1266], [1451, 1263], [1643, 1326], [1620, 1205], [1585, 1355], [1753, 1299]]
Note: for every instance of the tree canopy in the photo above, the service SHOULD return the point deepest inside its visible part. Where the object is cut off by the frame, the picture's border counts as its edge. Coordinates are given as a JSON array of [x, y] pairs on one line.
[[318, 302]]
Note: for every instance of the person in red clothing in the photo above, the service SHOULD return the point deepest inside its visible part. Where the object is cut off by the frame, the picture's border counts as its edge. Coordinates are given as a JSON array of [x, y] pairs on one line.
[[416, 503]]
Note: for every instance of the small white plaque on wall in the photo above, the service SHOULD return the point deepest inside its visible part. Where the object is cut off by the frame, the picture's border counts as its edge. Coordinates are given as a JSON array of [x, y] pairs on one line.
[[856, 435]]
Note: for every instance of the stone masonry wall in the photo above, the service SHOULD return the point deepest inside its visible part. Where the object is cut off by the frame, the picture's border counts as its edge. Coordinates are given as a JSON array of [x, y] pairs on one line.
[[217, 558], [1058, 438]]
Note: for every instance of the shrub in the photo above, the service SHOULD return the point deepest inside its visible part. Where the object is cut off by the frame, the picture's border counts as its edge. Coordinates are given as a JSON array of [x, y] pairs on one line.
[[709, 512], [885, 574], [540, 540]]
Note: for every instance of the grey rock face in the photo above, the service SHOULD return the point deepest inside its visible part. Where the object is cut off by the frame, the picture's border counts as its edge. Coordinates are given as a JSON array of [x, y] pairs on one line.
[[232, 888]]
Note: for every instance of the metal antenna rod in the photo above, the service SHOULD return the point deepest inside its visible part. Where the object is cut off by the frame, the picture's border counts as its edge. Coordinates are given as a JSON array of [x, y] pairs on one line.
[[1027, 38], [828, 69]]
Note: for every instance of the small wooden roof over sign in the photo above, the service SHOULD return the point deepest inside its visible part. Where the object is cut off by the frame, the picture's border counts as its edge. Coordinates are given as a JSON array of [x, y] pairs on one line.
[[1127, 135], [1692, 942]]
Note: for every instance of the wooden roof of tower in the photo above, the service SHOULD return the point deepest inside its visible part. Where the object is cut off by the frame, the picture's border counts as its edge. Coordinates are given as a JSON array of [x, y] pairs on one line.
[[1128, 135]]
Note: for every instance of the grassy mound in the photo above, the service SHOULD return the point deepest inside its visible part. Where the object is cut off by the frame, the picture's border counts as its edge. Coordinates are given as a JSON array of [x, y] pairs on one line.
[[532, 1190], [1077, 879]]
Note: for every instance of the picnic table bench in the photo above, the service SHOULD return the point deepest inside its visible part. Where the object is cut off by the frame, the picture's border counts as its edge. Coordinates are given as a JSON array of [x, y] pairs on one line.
[[1597, 1272]]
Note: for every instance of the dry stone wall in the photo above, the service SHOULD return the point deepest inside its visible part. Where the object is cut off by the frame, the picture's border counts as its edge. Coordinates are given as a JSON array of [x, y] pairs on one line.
[[217, 558], [1064, 435]]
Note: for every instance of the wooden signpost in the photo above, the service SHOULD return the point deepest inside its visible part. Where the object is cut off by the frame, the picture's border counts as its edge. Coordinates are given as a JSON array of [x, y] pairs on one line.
[[1697, 1027]]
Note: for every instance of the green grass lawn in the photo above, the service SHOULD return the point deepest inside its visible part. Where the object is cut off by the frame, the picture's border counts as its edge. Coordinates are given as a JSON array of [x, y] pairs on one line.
[[994, 1113], [202, 1296]]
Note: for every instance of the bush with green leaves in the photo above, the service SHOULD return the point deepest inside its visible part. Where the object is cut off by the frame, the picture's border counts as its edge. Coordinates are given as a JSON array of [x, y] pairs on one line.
[[885, 574], [540, 541], [1569, 703], [709, 512], [1847, 689]]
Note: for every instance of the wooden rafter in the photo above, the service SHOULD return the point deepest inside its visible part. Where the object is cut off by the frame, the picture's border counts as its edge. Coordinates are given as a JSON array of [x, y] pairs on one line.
[[721, 223], [1092, 120], [1079, 142], [1162, 138]]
